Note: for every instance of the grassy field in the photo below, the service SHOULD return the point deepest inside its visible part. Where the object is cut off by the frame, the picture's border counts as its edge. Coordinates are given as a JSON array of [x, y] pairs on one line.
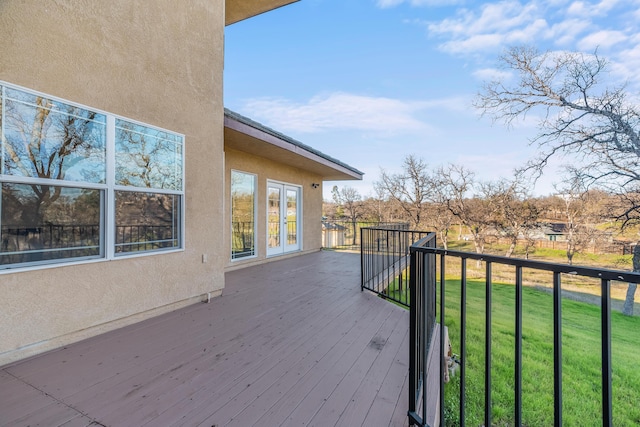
[[581, 359], [574, 284], [581, 350]]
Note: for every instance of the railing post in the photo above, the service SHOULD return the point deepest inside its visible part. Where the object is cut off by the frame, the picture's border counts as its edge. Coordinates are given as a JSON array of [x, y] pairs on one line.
[[487, 352], [518, 351], [557, 350], [463, 340], [363, 246], [442, 343], [413, 338], [607, 410]]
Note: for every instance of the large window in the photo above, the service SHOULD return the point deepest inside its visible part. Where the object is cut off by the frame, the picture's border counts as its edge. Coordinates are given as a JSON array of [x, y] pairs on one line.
[[81, 184], [148, 178], [243, 215]]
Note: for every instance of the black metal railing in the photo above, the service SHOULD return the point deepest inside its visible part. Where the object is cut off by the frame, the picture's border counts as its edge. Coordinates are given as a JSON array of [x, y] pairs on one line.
[[422, 323], [20, 244], [428, 262], [346, 235], [384, 257]]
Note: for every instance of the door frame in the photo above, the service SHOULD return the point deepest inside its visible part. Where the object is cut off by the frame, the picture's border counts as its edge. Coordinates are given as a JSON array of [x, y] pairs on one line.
[[284, 248]]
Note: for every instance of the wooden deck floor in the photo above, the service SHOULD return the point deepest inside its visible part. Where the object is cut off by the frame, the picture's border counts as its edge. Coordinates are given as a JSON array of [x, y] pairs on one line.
[[293, 343]]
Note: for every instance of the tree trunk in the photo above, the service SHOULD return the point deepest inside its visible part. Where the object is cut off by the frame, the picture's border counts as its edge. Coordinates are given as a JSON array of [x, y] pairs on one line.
[[354, 223], [445, 239], [627, 309], [570, 252], [512, 247]]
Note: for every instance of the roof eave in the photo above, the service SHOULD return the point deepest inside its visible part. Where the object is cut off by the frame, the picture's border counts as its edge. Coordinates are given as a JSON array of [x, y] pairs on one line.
[[239, 10], [244, 134]]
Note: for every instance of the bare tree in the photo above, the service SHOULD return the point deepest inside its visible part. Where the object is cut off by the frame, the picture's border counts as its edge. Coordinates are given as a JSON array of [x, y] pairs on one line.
[[575, 196], [351, 202], [439, 216], [411, 189], [472, 211], [515, 215], [580, 115], [375, 208]]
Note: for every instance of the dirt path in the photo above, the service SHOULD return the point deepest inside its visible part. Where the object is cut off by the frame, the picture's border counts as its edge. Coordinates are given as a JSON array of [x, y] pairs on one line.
[[616, 304]]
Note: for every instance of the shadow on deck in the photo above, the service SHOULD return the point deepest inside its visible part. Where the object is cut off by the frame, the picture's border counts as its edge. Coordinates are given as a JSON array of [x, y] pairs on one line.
[[294, 342]]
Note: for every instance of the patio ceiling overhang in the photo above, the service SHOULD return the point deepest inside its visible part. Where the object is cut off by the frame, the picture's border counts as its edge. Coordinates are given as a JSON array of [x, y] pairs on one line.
[[238, 10], [244, 134]]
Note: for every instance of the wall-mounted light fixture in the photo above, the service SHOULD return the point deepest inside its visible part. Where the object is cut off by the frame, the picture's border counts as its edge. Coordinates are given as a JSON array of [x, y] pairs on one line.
[[315, 185]]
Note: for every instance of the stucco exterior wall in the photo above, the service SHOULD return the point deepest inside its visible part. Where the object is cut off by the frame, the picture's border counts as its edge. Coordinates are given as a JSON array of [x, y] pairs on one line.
[[158, 62], [265, 170]]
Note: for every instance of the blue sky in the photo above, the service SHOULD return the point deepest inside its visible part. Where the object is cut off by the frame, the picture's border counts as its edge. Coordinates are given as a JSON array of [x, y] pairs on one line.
[[372, 81]]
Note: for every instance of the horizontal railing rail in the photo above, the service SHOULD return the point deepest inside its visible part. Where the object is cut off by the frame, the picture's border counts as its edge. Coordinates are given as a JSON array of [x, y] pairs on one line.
[[426, 260]]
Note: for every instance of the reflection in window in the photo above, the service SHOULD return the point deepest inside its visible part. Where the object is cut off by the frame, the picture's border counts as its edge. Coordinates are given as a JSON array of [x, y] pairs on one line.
[[242, 215], [43, 223], [49, 139], [292, 217], [147, 157], [146, 221], [273, 218], [55, 183]]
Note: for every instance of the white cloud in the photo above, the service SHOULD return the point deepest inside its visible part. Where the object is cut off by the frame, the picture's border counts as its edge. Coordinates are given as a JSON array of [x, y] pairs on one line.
[[626, 65], [587, 9], [491, 74], [566, 32], [477, 43], [493, 17], [495, 24], [604, 39], [345, 111], [384, 4], [388, 3]]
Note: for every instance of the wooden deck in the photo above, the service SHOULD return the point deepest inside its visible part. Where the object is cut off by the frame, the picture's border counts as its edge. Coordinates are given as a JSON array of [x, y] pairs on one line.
[[291, 343]]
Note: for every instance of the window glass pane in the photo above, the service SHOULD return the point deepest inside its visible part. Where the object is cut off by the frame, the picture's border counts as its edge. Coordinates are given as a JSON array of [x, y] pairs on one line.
[[273, 218], [147, 157], [292, 217], [147, 221], [43, 223], [44, 138], [242, 215]]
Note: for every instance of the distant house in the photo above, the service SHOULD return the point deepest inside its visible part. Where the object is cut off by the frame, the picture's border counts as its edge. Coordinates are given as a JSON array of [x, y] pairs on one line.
[[555, 231], [127, 189]]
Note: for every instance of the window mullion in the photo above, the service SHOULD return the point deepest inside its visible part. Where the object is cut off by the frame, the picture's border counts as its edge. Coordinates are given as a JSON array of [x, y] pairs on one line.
[[109, 213], [2, 122]]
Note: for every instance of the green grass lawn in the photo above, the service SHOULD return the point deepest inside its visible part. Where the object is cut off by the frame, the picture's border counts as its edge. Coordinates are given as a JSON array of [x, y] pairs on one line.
[[581, 359], [581, 352]]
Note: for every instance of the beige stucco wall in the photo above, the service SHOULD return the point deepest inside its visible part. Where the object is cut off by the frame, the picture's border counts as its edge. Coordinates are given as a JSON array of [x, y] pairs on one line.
[[265, 170], [159, 62]]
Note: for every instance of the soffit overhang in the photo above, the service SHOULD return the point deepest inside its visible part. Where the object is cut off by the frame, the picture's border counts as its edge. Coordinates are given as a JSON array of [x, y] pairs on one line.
[[244, 134], [238, 10]]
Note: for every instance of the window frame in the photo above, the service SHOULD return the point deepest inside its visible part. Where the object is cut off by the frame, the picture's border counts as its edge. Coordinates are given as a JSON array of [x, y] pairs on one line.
[[108, 189], [255, 215]]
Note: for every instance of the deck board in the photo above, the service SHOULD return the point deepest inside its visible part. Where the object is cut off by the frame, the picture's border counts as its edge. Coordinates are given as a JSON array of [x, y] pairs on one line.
[[292, 342]]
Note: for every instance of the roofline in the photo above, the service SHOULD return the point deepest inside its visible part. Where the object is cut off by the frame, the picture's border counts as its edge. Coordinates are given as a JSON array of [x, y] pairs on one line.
[[245, 125], [255, 11]]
